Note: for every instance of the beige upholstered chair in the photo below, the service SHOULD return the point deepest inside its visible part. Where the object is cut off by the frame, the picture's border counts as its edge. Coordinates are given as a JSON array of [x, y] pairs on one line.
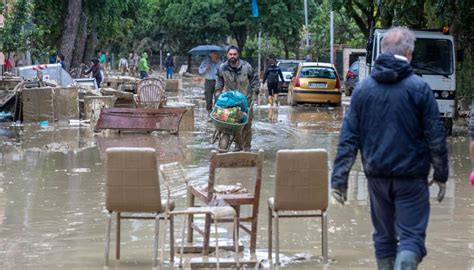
[[173, 173], [132, 186], [301, 185]]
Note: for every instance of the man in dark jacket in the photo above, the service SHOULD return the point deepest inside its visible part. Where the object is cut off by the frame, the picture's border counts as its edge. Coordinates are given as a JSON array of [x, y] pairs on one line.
[[271, 76], [236, 74], [394, 121], [95, 70]]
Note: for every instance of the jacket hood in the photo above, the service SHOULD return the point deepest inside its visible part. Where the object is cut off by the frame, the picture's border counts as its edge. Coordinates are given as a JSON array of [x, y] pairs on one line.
[[389, 69], [145, 55]]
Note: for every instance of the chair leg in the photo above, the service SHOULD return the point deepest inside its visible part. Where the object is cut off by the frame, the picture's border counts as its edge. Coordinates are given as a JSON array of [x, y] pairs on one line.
[[270, 233], [277, 238], [186, 217], [117, 238], [107, 237], [236, 242], [217, 242], [172, 238], [190, 219], [253, 234], [207, 232], [324, 232], [155, 245]]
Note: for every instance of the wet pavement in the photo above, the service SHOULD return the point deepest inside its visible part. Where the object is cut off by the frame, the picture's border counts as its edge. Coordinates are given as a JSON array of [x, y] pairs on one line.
[[52, 213]]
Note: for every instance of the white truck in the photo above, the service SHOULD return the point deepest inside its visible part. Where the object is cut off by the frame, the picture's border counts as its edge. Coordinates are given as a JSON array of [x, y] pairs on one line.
[[433, 59]]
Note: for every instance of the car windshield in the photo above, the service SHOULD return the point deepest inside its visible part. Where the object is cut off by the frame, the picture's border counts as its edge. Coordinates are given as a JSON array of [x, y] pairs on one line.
[[288, 67], [354, 66], [318, 72], [433, 56]]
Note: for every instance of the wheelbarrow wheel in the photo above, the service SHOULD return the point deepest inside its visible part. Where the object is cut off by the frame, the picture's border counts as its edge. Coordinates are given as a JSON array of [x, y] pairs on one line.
[[224, 142]]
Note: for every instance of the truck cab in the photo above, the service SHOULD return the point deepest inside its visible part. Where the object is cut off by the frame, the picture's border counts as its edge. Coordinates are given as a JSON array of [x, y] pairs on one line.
[[433, 60]]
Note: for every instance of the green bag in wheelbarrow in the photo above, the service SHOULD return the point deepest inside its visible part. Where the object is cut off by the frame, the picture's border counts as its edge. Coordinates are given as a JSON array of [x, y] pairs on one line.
[[231, 99]]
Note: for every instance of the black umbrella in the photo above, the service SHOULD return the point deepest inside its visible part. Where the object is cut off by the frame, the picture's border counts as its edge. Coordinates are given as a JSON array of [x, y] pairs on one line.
[[205, 49]]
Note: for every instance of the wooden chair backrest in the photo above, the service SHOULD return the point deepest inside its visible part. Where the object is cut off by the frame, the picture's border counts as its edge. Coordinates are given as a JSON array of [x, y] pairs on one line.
[[236, 160], [151, 93]]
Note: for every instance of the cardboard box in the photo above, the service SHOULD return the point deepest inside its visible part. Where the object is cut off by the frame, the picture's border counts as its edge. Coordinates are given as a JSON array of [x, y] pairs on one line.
[[38, 105]]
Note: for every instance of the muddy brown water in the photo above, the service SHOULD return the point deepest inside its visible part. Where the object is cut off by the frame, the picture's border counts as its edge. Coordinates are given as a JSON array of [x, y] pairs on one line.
[[52, 212]]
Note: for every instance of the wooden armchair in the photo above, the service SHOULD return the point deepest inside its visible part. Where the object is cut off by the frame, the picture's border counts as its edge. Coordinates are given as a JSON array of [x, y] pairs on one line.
[[213, 192]]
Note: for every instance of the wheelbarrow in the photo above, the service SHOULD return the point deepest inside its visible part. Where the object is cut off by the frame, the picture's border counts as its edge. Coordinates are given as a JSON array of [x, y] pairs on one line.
[[226, 133]]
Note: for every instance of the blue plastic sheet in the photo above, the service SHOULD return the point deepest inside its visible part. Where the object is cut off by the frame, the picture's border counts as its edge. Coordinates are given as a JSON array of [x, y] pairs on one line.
[[231, 99]]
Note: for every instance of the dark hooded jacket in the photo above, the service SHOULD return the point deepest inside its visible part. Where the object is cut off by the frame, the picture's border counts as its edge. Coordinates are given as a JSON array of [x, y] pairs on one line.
[[395, 122]]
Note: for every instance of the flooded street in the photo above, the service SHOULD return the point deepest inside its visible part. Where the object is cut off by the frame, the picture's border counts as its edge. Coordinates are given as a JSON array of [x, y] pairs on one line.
[[52, 196]]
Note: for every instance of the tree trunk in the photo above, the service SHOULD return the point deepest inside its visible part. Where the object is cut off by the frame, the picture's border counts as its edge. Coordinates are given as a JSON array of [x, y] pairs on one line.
[[90, 47], [81, 40], [70, 28], [285, 47], [241, 38]]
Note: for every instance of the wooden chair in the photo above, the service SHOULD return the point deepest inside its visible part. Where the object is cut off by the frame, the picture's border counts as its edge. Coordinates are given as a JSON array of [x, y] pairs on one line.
[[173, 173], [250, 197], [150, 93], [301, 184], [132, 186]]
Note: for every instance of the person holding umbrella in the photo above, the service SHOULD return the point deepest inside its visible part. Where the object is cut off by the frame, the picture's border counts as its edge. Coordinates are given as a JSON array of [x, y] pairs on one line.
[[208, 68]]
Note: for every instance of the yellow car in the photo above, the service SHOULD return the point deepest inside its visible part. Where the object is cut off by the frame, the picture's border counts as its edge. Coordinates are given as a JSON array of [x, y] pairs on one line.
[[315, 82]]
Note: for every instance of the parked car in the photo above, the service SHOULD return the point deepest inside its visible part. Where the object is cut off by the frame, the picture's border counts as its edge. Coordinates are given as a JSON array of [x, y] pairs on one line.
[[352, 78], [287, 67], [315, 82]]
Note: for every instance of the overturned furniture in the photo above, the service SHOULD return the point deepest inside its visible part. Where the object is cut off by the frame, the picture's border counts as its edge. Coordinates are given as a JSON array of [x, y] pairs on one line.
[[149, 114], [140, 119]]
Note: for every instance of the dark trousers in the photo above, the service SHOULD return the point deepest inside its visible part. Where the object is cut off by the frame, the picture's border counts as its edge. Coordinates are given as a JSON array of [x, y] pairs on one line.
[[209, 88], [272, 88], [246, 141], [143, 75], [169, 72], [400, 211]]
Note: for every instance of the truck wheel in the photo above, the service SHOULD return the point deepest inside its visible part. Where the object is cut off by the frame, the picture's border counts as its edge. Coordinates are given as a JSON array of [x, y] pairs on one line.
[[448, 125]]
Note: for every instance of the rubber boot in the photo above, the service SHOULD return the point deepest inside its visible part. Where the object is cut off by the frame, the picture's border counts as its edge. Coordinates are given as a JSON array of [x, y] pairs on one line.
[[406, 260], [270, 100], [386, 263], [275, 100]]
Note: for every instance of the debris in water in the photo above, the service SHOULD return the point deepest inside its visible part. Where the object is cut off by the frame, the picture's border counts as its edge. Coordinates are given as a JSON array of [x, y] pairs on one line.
[[81, 170]]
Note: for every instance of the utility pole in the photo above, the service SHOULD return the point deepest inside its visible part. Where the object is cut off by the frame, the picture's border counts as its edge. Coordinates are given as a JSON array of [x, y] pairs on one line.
[[306, 22], [331, 36]]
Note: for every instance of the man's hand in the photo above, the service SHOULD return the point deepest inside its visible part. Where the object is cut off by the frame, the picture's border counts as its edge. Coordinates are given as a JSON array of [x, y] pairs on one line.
[[340, 194], [442, 189]]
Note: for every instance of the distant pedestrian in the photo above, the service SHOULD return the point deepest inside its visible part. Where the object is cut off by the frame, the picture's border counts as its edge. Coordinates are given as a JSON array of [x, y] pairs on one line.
[[53, 57], [108, 62], [60, 60], [394, 121], [123, 65], [272, 74], [143, 66], [131, 65], [8, 64], [208, 68], [308, 58], [169, 66], [102, 61], [95, 70]]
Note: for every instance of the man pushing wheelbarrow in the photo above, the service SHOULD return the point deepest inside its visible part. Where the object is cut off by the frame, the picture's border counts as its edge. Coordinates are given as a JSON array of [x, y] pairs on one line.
[[238, 75]]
